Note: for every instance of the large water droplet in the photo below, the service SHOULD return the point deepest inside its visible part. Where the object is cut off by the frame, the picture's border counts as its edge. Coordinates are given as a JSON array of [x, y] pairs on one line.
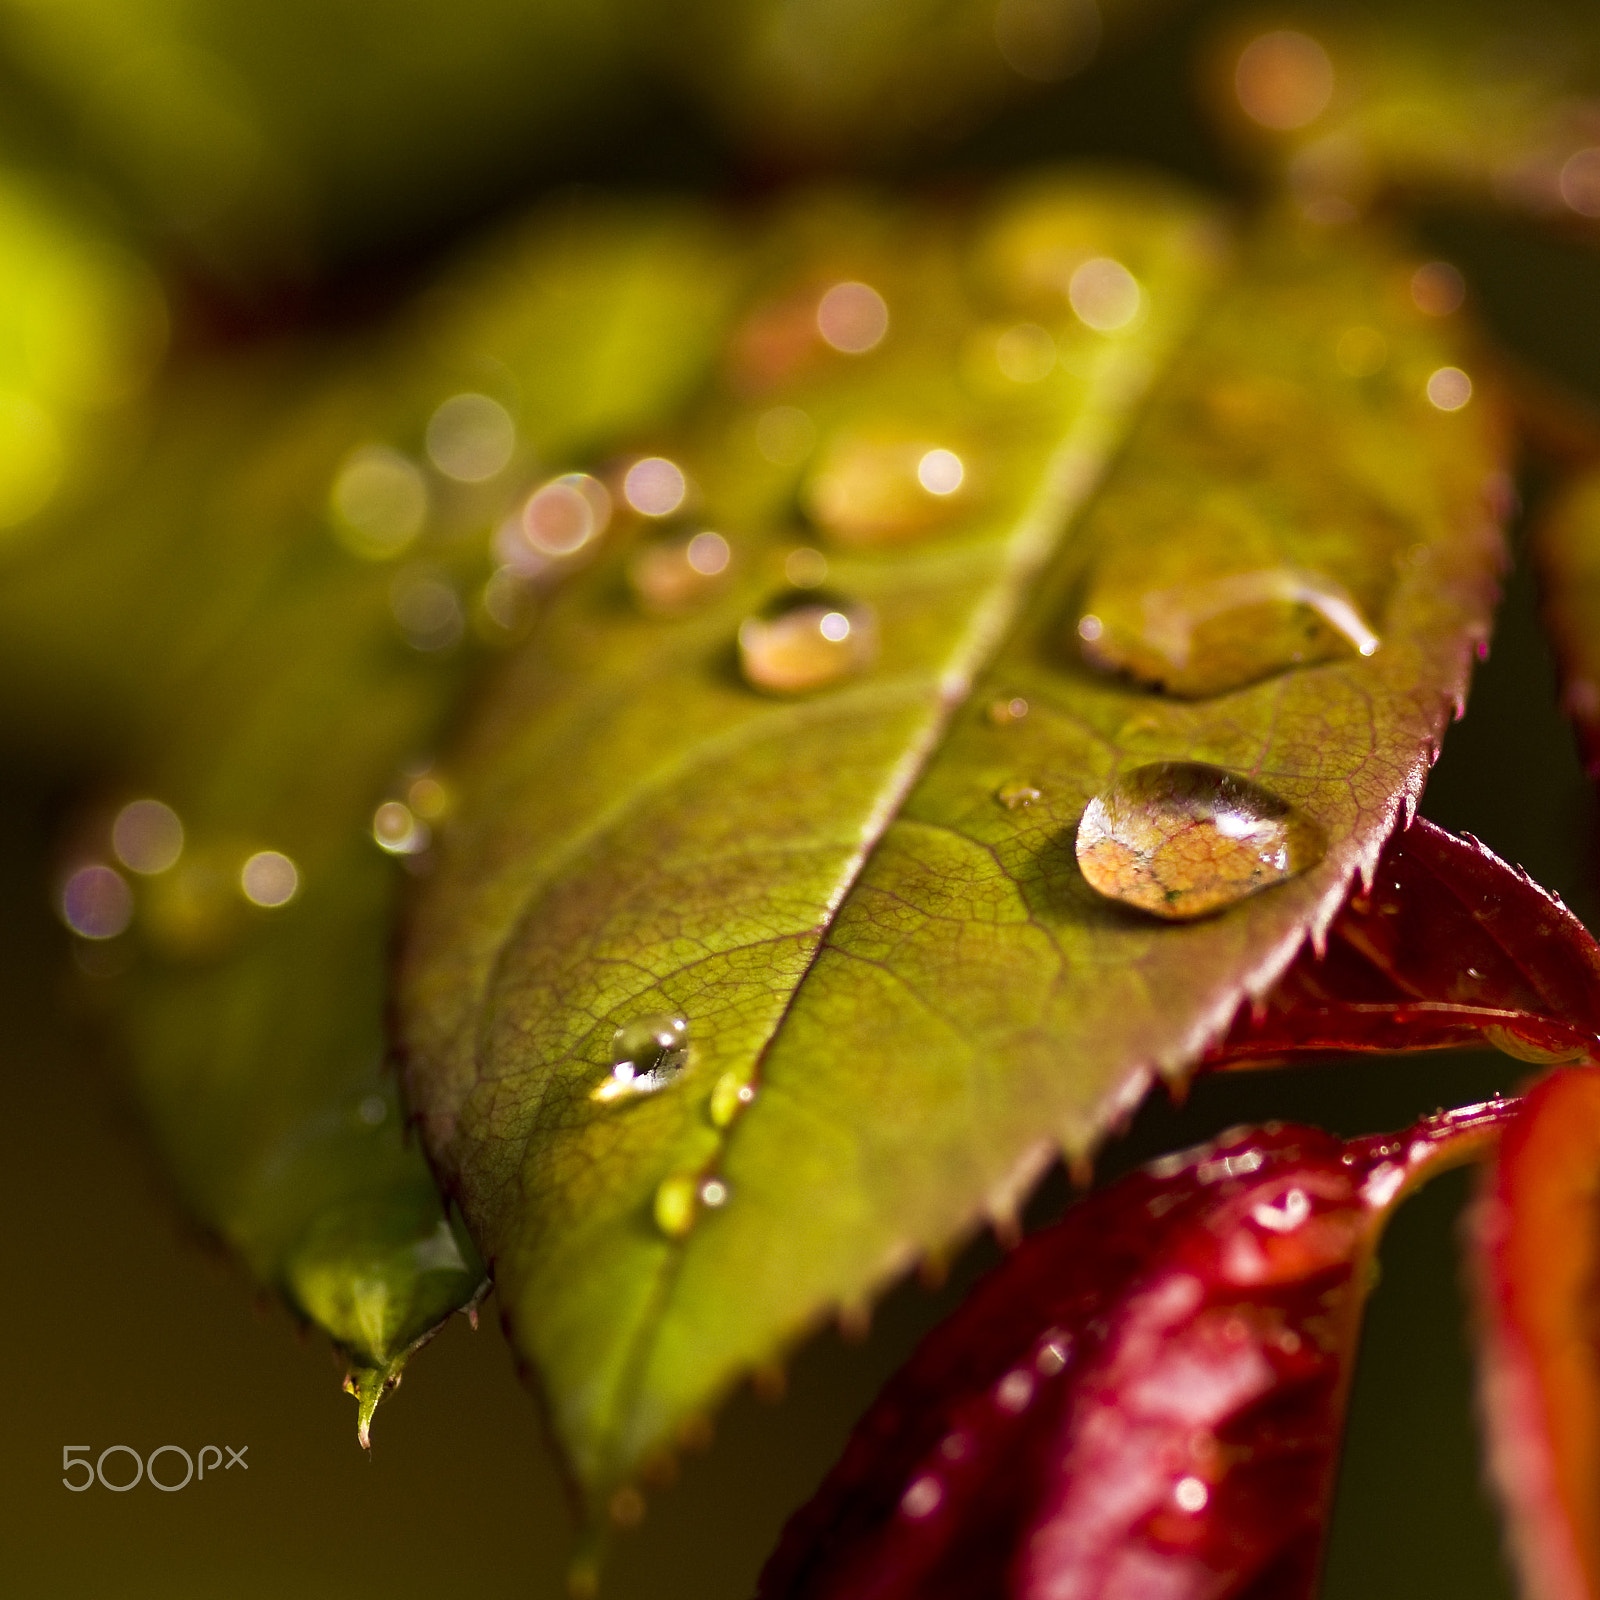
[[1181, 839], [880, 485], [1220, 633], [810, 641], [646, 1055]]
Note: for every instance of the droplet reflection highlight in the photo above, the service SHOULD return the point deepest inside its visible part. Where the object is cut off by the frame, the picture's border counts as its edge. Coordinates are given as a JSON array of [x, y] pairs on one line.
[[647, 1053], [809, 643]]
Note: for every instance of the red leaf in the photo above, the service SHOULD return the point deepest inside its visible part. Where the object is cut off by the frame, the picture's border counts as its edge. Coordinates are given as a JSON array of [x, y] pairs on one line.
[[1450, 948], [1537, 1242], [1143, 1401]]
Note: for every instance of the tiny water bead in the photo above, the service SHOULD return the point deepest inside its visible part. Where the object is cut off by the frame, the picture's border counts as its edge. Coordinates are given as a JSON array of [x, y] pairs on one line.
[[1437, 289], [878, 485], [647, 1053], [1449, 389], [1004, 711], [147, 836], [676, 1201], [1219, 633], [805, 568], [853, 318], [397, 830], [1017, 796], [808, 642], [427, 609], [1283, 80], [269, 878], [96, 902], [785, 435], [655, 486], [729, 1096], [379, 501], [1181, 839], [1025, 353], [471, 438], [1104, 294], [560, 517], [670, 575]]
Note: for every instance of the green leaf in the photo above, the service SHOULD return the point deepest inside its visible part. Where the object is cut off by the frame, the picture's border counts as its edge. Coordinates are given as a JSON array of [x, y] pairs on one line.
[[282, 692], [902, 997]]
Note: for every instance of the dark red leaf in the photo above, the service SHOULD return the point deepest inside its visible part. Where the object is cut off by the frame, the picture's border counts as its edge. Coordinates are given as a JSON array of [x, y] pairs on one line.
[[1143, 1403], [1537, 1243], [1450, 947]]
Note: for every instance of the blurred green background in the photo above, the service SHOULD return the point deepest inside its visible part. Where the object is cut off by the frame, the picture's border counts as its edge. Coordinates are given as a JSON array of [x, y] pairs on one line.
[[295, 169]]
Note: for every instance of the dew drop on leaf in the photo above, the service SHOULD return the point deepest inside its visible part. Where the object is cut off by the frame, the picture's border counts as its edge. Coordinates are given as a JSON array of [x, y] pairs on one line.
[[147, 836], [675, 1203], [874, 486], [672, 574], [1216, 634], [647, 1053], [1016, 796], [810, 642], [1181, 839]]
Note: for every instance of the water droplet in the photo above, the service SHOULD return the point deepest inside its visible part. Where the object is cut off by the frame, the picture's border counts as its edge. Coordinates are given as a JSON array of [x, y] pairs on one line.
[[558, 519], [674, 1205], [646, 1055], [1016, 796], [785, 435], [655, 486], [805, 568], [269, 878], [1105, 295], [1191, 1495], [1014, 1392], [922, 1498], [1579, 181], [1180, 839], [96, 902], [1284, 80], [1215, 634], [147, 836], [729, 1096], [1025, 353], [379, 500], [428, 796], [877, 485], [397, 830], [1047, 40], [1449, 389], [853, 318], [427, 609], [1437, 288], [1360, 352], [713, 1193], [471, 438], [810, 642], [1285, 1215], [670, 575], [1003, 711]]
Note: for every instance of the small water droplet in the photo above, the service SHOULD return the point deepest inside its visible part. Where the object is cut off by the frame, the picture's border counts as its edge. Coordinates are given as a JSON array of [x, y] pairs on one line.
[[1014, 1392], [372, 1110], [1191, 1495], [427, 608], [879, 485], [1283, 1216], [1181, 839], [1449, 389], [922, 1498], [1016, 796], [1216, 634], [147, 837], [1284, 80], [713, 1193], [853, 318], [471, 438], [1104, 294], [729, 1096], [379, 501], [1025, 353], [647, 1053], [809, 642], [269, 878], [655, 486], [398, 831], [670, 575], [805, 568], [96, 902], [1579, 181], [428, 796], [558, 519], [674, 1205], [1438, 288], [1002, 712]]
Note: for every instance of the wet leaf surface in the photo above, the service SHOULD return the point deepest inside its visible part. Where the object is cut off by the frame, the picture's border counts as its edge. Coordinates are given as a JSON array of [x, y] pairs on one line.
[[1450, 947], [1536, 1241], [1146, 1398], [902, 998], [282, 707]]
